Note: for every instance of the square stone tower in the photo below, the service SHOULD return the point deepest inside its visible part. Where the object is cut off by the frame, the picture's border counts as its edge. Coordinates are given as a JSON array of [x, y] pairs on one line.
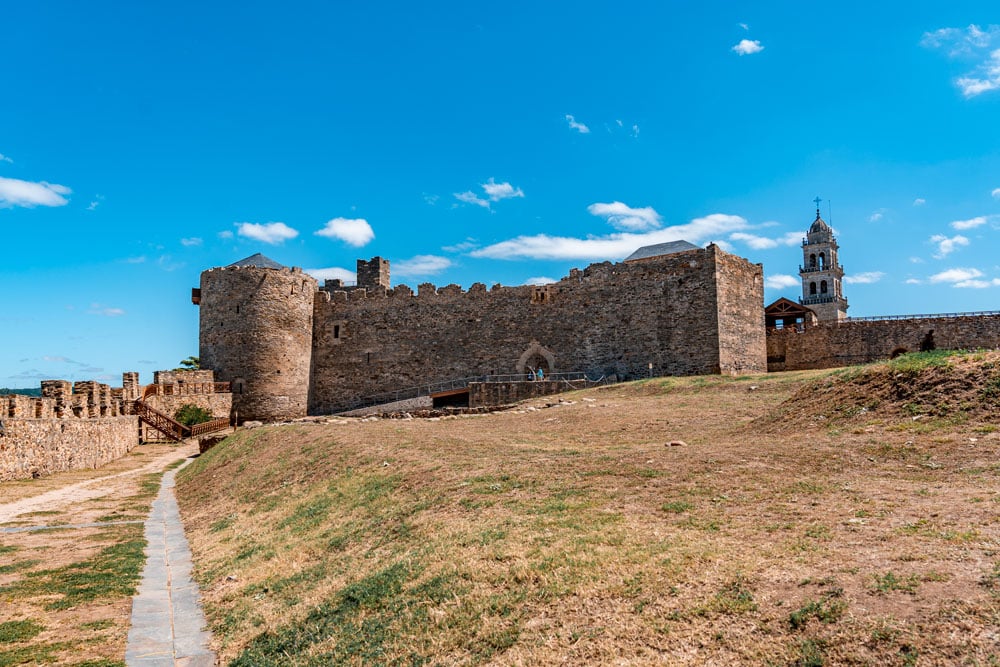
[[821, 272], [373, 273]]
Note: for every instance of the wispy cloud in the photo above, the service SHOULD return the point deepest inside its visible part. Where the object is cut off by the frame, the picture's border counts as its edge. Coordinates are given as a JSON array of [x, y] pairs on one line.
[[333, 273], [59, 359], [996, 193], [613, 246], [141, 259], [946, 246], [866, 278], [356, 232], [421, 265], [623, 217], [95, 203], [15, 192], [494, 192], [972, 223], [765, 243], [574, 125], [780, 281], [4, 158], [540, 280], [744, 26], [167, 263], [464, 246], [919, 201], [748, 47], [105, 311], [225, 234], [975, 44], [272, 233], [964, 278], [877, 215], [191, 242]]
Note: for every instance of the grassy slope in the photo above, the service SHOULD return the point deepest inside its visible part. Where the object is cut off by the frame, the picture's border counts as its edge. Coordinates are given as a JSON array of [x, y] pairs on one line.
[[577, 534]]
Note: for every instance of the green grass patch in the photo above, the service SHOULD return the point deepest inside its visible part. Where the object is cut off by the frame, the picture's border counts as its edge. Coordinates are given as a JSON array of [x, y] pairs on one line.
[[18, 566], [828, 609], [19, 631], [885, 583], [676, 506]]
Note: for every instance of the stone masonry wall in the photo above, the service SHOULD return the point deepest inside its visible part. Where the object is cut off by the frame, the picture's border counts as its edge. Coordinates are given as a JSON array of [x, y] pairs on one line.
[[834, 344], [35, 447], [504, 393], [742, 334], [606, 319], [256, 333]]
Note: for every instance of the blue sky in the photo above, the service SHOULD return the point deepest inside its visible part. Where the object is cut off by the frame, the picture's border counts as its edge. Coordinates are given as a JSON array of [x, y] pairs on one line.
[[478, 142]]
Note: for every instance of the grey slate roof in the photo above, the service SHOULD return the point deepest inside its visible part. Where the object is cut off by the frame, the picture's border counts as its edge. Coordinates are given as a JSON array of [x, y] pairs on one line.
[[259, 261], [661, 249]]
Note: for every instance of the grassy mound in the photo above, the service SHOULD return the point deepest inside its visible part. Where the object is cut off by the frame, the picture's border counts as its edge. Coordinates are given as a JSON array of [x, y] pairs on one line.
[[652, 523]]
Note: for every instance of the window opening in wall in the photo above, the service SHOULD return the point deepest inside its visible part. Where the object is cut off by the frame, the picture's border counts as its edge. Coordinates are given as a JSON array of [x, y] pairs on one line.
[[822, 287], [368, 357], [812, 288], [336, 331], [812, 261], [822, 261], [779, 324], [237, 310]]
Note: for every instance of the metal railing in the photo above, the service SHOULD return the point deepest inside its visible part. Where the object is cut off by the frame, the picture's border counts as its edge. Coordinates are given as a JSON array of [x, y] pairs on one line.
[[457, 383], [935, 316]]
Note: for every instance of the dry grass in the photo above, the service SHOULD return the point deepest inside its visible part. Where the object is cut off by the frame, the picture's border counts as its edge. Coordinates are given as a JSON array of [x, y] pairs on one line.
[[65, 595], [576, 535]]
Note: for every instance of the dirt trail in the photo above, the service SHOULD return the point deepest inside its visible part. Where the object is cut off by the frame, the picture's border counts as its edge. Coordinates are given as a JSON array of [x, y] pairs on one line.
[[62, 497]]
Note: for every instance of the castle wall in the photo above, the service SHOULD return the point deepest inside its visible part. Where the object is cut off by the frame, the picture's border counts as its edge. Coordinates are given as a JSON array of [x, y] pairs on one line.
[[742, 335], [504, 393], [256, 333], [33, 442], [834, 344], [606, 319]]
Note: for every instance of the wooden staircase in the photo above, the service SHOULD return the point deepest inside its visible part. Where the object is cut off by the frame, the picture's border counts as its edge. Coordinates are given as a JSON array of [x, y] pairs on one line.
[[173, 429]]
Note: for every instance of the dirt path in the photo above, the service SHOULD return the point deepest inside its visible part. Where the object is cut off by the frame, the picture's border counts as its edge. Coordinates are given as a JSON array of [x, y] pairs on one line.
[[61, 497]]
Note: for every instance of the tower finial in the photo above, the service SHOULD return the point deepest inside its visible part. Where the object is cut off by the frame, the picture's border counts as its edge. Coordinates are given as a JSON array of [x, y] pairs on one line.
[[817, 200]]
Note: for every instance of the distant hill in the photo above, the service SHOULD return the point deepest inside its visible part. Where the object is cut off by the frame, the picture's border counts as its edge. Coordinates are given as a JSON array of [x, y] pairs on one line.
[[37, 391]]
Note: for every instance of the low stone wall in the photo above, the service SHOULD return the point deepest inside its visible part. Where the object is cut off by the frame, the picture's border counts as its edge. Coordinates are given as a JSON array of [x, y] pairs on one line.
[[220, 405], [504, 393], [408, 405], [35, 447], [835, 344]]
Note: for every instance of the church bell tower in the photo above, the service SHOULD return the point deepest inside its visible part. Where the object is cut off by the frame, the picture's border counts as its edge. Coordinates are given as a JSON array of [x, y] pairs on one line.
[[822, 273]]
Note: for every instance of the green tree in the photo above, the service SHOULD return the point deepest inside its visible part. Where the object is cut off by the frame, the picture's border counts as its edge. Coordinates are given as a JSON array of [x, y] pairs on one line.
[[189, 415], [190, 364]]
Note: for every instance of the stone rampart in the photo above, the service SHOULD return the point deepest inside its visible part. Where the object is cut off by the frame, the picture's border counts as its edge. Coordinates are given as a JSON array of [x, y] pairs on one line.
[[833, 344], [31, 447], [483, 394], [611, 319]]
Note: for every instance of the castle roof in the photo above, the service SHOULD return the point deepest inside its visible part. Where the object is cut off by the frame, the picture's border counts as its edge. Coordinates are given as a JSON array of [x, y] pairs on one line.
[[670, 248], [259, 261]]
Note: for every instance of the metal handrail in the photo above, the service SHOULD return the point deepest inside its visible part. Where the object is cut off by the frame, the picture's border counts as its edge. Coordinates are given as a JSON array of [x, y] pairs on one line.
[[458, 383], [879, 318]]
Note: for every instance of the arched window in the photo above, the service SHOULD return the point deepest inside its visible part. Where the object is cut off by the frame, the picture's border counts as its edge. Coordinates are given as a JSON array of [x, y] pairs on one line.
[[812, 288], [822, 287], [822, 261], [812, 261]]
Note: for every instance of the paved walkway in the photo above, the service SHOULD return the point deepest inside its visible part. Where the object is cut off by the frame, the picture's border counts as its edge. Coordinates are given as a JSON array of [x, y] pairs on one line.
[[167, 621]]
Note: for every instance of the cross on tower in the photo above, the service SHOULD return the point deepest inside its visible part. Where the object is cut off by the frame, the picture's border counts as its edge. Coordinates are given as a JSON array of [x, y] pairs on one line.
[[817, 200]]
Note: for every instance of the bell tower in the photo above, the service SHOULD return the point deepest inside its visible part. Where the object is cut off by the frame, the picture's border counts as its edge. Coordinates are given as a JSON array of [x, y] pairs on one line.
[[821, 272]]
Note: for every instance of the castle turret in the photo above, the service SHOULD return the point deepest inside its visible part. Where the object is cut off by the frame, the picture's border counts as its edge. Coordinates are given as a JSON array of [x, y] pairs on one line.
[[373, 273], [256, 333], [821, 272]]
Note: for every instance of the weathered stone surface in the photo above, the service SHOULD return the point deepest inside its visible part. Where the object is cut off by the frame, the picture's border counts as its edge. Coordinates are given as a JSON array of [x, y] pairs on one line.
[[36, 447], [832, 344]]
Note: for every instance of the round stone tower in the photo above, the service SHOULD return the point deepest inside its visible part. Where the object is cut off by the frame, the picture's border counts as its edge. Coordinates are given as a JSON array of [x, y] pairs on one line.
[[256, 333]]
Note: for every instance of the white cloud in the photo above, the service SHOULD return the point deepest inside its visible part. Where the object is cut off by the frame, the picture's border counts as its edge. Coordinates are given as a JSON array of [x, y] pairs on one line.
[[956, 275], [978, 284], [917, 260], [919, 201], [877, 215], [464, 246], [333, 273], [421, 265], [4, 158], [272, 233], [946, 245], [747, 47], [914, 281], [864, 278], [167, 263], [191, 242], [972, 223], [540, 280], [744, 26], [765, 243], [106, 311], [574, 125], [141, 259], [613, 246], [356, 232], [996, 193], [15, 192], [625, 218], [226, 234], [973, 43], [781, 281], [494, 192]]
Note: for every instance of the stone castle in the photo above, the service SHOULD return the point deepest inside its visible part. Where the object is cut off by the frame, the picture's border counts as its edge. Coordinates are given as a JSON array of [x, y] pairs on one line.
[[291, 348]]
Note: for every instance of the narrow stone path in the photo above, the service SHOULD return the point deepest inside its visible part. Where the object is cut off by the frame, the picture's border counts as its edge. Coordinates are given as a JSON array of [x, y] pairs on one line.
[[168, 626]]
